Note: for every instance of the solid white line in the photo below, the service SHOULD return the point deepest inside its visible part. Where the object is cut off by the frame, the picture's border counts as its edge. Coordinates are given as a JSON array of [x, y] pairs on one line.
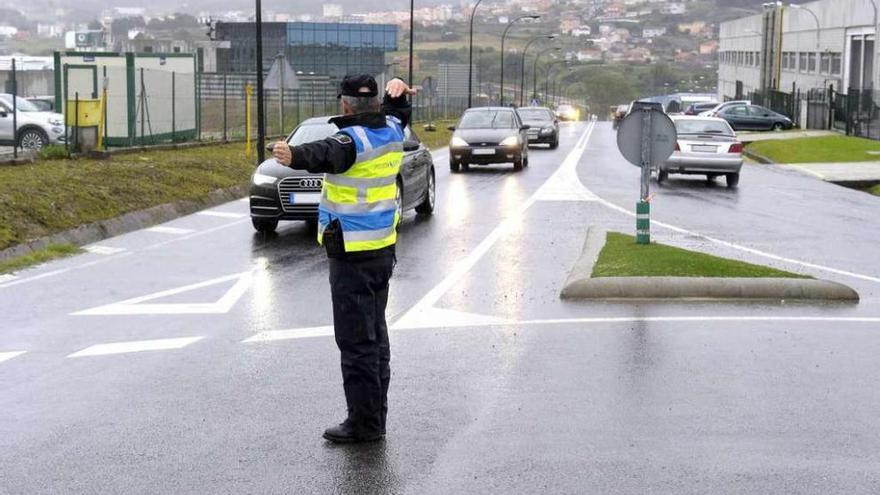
[[221, 214], [103, 250], [295, 333], [413, 317], [161, 229], [135, 346], [6, 356]]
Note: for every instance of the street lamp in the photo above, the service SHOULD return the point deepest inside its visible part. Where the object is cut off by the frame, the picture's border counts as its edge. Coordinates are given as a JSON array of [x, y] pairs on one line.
[[535, 70], [471, 54], [522, 76], [503, 36], [815, 18], [412, 35], [550, 67], [261, 127]]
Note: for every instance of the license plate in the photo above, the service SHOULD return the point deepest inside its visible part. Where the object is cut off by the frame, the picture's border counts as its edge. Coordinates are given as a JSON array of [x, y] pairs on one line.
[[704, 148], [486, 151], [305, 198]]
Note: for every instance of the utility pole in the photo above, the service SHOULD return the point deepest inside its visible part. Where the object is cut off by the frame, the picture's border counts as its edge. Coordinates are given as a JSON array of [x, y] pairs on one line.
[[261, 125], [471, 55]]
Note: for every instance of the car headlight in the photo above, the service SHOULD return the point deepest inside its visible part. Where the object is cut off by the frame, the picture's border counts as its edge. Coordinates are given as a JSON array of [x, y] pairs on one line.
[[262, 180], [458, 142], [56, 121], [510, 141], [547, 130]]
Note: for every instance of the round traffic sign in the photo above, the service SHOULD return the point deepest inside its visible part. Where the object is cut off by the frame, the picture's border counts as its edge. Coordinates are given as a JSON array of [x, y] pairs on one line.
[[661, 136]]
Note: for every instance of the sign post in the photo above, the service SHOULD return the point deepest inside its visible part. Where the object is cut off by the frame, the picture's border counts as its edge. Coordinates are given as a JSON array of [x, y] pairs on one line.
[[646, 138]]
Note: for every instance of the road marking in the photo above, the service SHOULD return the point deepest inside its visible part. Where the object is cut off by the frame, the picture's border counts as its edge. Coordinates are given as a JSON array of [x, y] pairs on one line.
[[136, 306], [7, 278], [421, 310], [6, 356], [805, 170], [440, 318], [221, 214], [135, 346], [295, 333], [245, 200], [103, 250], [169, 230]]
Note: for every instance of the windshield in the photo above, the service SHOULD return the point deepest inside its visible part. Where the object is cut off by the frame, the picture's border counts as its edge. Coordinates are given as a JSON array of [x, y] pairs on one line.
[[703, 127], [487, 119], [535, 114], [564, 108], [21, 104], [312, 132]]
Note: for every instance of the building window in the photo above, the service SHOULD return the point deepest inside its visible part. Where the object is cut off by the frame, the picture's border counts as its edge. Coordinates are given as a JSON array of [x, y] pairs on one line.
[[825, 63], [835, 64], [812, 62], [803, 62]]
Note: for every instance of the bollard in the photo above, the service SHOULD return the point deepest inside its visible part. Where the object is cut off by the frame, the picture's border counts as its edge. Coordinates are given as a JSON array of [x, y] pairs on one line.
[[643, 222]]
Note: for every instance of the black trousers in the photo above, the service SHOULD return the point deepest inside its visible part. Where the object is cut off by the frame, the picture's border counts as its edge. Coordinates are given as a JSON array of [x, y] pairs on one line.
[[359, 287]]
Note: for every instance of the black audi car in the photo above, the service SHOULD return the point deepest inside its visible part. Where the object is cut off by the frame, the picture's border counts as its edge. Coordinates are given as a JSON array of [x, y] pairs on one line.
[[282, 193], [543, 125], [489, 135]]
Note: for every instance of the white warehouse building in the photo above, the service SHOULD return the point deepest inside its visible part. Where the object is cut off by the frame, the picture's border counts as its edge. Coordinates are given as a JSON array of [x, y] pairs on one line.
[[813, 45]]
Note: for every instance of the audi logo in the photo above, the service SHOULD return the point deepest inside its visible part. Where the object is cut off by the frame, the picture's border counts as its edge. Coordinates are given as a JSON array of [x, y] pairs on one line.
[[311, 183]]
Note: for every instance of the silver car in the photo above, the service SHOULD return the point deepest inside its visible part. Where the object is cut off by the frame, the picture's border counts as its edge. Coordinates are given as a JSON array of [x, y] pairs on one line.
[[36, 128], [706, 146]]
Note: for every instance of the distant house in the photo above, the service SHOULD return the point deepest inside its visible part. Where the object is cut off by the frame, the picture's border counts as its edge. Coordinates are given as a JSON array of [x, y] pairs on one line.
[[582, 30], [673, 9], [709, 47], [696, 27], [653, 32]]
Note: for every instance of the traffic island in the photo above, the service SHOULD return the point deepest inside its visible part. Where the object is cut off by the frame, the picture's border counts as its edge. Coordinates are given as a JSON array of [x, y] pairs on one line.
[[612, 266]]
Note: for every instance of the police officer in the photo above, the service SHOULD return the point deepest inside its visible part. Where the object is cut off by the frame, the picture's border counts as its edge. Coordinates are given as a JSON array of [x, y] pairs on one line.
[[357, 225]]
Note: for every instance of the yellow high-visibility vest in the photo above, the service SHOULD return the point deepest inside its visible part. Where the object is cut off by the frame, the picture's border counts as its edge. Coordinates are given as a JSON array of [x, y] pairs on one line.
[[364, 198]]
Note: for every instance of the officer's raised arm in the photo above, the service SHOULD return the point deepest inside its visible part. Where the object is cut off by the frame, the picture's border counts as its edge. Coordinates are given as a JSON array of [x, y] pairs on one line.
[[395, 103]]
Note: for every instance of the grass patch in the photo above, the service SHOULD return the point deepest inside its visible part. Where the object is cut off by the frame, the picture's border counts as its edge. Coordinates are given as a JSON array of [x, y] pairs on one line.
[[436, 139], [53, 196], [875, 190], [51, 252], [826, 149], [622, 257]]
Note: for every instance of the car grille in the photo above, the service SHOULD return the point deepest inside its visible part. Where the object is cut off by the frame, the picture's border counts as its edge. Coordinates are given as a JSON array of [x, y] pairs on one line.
[[298, 184]]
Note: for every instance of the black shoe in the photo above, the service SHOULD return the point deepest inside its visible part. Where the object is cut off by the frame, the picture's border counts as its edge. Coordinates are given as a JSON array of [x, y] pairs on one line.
[[346, 433]]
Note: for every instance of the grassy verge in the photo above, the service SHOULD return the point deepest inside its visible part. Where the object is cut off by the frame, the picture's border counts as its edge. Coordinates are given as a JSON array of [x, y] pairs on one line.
[[622, 257], [55, 195], [51, 252], [435, 139], [875, 190], [828, 149]]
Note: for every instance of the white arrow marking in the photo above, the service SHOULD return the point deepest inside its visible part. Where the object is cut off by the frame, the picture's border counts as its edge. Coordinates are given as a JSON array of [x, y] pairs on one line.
[[295, 333], [136, 306], [444, 318], [135, 346]]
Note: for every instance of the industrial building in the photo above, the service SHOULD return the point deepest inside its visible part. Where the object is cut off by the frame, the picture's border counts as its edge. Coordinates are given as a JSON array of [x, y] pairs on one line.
[[808, 46], [325, 49]]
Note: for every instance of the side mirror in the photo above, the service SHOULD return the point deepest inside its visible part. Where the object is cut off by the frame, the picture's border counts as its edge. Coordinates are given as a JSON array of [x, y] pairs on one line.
[[525, 127], [451, 128], [4, 114], [410, 146]]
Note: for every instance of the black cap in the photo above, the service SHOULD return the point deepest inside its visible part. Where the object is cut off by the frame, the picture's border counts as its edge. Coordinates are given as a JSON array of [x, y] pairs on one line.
[[359, 86]]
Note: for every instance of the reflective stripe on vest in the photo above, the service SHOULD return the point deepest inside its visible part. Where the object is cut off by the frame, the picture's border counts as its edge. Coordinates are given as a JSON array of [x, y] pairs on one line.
[[364, 197]]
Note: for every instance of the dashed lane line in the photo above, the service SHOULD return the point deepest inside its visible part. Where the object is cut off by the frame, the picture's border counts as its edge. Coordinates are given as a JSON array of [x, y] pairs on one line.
[[161, 229], [221, 214], [6, 356], [104, 250], [135, 346]]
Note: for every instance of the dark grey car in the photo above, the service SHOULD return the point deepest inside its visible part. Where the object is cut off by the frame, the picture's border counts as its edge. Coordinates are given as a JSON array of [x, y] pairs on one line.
[[489, 135], [282, 193], [543, 125]]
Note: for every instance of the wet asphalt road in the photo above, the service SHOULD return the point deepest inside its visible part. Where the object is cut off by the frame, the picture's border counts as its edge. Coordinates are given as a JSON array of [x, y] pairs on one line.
[[498, 386]]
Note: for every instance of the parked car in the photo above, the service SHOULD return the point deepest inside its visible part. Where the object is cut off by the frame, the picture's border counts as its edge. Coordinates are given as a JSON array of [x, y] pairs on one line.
[[36, 128], [698, 108], [543, 125], [713, 112], [487, 135], [706, 146], [282, 193], [754, 118], [567, 112]]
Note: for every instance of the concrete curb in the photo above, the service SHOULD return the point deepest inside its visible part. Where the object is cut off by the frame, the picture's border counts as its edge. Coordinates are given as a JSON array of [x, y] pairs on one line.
[[581, 285], [129, 222], [758, 158]]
